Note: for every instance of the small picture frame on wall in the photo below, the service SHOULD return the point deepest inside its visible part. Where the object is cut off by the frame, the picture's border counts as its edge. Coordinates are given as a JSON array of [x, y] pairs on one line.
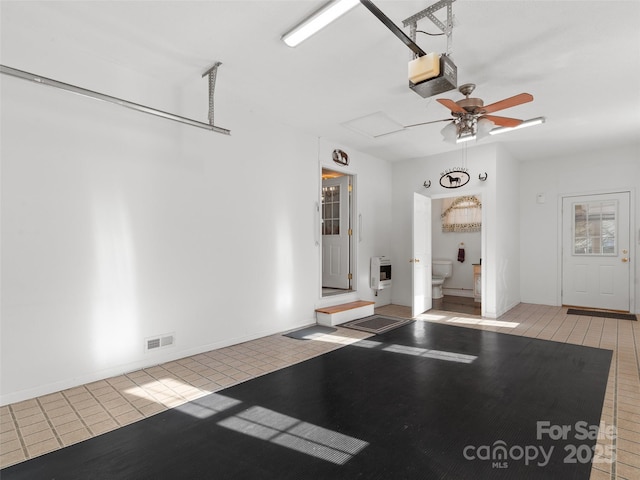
[[340, 157]]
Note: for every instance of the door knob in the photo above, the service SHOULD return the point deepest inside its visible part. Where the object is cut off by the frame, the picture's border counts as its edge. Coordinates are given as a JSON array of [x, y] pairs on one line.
[[625, 260], [412, 260]]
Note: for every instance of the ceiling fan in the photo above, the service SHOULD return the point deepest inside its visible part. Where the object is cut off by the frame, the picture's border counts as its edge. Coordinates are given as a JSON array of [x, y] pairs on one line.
[[472, 118]]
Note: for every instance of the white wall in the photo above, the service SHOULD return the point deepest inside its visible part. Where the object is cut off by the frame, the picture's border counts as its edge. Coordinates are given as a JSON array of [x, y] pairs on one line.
[[118, 226], [591, 172], [444, 245], [507, 232]]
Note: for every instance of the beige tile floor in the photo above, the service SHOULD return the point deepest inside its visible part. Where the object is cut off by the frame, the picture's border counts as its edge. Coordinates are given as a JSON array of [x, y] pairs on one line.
[[50, 422], [34, 427]]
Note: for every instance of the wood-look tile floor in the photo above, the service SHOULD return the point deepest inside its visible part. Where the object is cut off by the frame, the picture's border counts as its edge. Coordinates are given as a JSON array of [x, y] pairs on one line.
[[454, 303], [37, 426]]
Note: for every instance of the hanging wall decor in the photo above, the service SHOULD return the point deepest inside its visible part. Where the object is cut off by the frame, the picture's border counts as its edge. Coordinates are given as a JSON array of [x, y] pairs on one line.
[[454, 178], [340, 157]]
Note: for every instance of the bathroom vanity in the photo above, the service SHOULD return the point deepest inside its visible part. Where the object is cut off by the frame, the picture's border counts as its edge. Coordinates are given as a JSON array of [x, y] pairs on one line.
[[477, 282]]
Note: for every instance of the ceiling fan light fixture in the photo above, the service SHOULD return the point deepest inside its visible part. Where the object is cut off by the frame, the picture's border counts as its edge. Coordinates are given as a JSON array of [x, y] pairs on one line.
[[450, 132], [465, 138], [317, 21], [527, 123], [484, 127]]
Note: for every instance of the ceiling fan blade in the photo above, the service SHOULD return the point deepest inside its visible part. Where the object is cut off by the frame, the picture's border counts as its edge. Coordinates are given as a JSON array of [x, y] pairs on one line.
[[427, 123], [451, 105], [508, 102], [503, 121], [404, 127]]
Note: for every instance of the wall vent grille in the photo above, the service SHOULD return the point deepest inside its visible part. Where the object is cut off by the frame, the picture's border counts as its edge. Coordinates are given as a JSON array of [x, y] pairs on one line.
[[159, 342]]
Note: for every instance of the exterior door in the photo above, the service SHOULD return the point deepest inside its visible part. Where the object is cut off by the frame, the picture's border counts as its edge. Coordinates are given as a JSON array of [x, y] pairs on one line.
[[421, 261], [596, 269], [335, 233]]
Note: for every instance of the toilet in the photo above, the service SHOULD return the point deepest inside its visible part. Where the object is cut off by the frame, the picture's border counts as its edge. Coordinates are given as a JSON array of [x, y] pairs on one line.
[[440, 270]]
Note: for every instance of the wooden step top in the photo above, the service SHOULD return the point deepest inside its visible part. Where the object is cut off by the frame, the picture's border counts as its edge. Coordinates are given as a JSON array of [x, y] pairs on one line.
[[344, 306]]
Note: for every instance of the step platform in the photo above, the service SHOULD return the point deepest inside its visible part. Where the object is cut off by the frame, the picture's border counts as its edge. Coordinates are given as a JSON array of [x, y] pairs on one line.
[[337, 314]]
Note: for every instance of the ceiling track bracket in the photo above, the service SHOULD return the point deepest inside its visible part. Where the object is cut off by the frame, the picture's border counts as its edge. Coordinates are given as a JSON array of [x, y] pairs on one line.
[[14, 72], [212, 73], [447, 29]]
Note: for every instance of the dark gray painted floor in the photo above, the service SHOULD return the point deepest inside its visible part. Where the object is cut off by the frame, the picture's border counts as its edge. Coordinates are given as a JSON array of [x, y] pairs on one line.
[[419, 402]]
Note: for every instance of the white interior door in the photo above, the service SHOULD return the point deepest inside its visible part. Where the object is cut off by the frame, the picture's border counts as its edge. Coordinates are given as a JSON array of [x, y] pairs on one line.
[[596, 240], [421, 261], [335, 232]]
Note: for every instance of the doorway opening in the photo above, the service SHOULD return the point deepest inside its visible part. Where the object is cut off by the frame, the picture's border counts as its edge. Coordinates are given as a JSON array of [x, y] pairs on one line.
[[338, 272], [456, 237]]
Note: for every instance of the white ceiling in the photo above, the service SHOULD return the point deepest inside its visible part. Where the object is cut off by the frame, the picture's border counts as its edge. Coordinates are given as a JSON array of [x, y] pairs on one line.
[[579, 59]]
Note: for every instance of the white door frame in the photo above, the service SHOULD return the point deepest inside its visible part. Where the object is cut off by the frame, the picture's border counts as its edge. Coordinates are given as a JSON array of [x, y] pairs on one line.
[[633, 239], [338, 247], [483, 242], [355, 227]]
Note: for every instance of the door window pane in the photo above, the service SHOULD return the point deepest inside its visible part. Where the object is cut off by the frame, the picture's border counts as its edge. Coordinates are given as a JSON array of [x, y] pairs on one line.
[[594, 228], [331, 210]]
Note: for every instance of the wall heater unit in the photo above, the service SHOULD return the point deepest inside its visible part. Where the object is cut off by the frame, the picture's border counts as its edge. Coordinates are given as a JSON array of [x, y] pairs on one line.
[[380, 273]]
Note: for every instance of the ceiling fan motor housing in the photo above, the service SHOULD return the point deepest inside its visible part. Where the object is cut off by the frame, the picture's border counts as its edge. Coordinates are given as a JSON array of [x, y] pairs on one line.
[[471, 105]]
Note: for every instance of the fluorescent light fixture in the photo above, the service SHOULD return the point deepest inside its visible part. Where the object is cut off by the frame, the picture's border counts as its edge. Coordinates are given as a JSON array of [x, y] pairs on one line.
[[316, 22], [495, 131], [526, 123]]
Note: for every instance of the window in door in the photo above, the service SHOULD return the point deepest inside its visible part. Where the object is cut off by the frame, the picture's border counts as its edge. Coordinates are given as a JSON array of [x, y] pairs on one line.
[[331, 210], [594, 228]]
